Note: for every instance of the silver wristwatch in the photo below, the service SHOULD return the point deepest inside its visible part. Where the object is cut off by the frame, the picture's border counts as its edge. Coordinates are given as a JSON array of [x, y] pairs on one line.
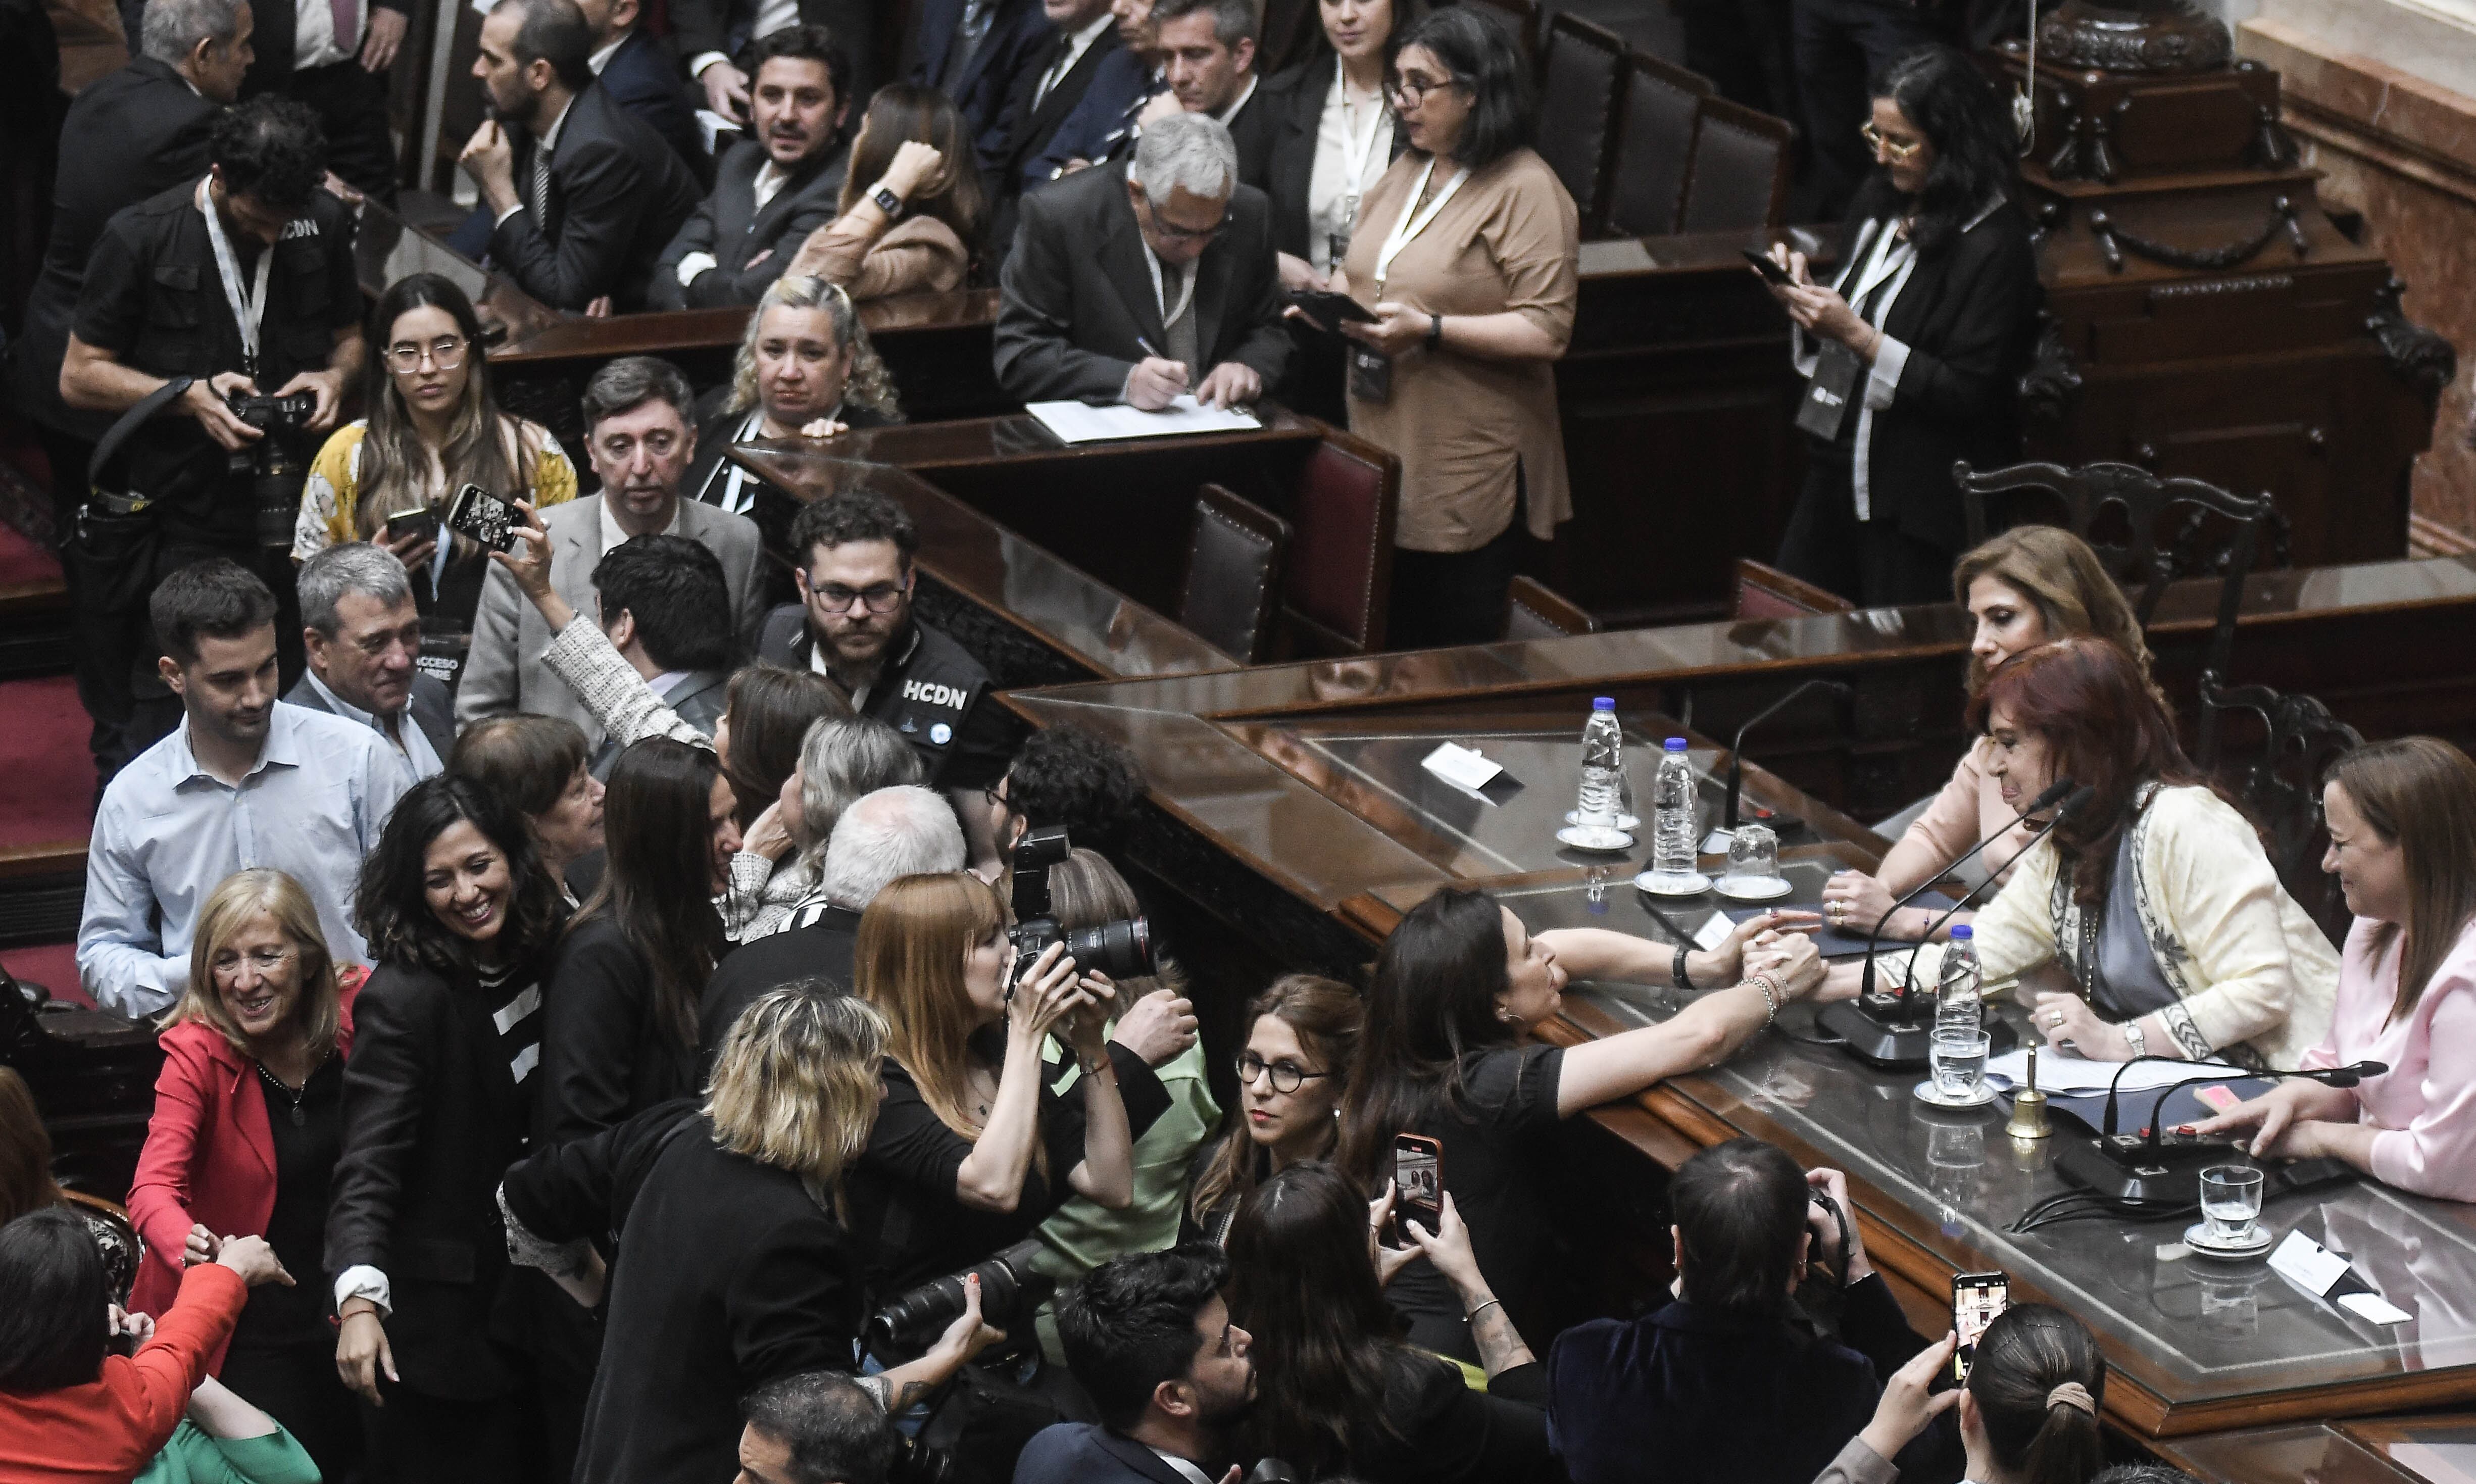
[[2133, 1038]]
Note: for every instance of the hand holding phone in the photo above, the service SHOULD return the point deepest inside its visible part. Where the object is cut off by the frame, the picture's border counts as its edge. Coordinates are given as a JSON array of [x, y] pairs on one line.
[[488, 520], [1419, 1178], [1977, 1300], [1768, 268], [1328, 310]]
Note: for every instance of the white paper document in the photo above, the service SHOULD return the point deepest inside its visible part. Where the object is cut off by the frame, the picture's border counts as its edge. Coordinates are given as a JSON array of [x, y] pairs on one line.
[[1461, 766], [2061, 1072], [2308, 1264], [1079, 422], [2374, 1308]]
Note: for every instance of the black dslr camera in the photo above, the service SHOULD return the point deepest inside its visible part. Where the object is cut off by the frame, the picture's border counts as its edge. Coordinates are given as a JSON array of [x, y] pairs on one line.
[[1122, 950], [273, 464], [1010, 1294]]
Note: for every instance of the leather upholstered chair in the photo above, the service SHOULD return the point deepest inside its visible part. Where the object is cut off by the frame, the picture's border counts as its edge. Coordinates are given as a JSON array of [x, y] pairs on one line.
[[1347, 496], [1233, 573], [1654, 147], [1740, 176], [1761, 591], [1533, 610], [1581, 67]]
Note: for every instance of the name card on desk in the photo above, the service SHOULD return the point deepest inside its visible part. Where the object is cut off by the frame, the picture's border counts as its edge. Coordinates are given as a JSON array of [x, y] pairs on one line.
[[1461, 766], [2308, 1264]]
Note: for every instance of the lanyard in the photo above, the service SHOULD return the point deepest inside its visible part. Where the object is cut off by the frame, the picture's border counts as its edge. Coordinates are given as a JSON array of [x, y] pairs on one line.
[[249, 309], [1413, 220], [1357, 150]]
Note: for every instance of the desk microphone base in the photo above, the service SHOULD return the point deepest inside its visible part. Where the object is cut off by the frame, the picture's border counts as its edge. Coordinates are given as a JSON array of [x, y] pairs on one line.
[[1876, 1033], [2128, 1169]]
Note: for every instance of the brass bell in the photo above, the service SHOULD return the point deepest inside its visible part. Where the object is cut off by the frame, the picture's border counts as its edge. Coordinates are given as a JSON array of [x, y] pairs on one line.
[[2029, 1105]]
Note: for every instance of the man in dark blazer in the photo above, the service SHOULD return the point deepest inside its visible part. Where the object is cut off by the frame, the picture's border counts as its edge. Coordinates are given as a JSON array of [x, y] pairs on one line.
[[714, 36], [773, 190], [1150, 1339], [1125, 284], [976, 52], [583, 194], [641, 74], [1083, 37], [302, 54], [1209, 51], [131, 136], [363, 639]]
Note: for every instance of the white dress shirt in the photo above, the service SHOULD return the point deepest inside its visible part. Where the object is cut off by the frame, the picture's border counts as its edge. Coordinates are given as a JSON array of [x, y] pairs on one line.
[[411, 744], [315, 42], [1346, 132], [1076, 44]]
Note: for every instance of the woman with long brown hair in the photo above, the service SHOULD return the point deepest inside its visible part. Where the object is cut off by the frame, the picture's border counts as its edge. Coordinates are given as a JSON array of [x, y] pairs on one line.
[[2149, 921], [912, 206], [2030, 586], [1301, 1034], [971, 1150], [2402, 819]]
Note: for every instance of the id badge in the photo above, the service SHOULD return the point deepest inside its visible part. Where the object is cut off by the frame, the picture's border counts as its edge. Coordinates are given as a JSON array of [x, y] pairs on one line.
[[1371, 375], [1835, 372]]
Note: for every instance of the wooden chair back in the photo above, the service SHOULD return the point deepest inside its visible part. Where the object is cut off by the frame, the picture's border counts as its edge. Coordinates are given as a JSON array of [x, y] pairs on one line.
[[1653, 154], [1581, 67], [1534, 610], [1740, 175], [1233, 573], [1762, 591], [2282, 788]]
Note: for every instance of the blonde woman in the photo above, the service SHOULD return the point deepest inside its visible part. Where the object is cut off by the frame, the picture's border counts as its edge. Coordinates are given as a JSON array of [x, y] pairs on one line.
[[248, 1125], [740, 1264], [804, 367], [973, 1149], [911, 205]]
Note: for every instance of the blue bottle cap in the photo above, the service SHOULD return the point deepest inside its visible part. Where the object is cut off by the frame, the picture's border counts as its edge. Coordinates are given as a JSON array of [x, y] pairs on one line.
[[1603, 703], [1675, 744], [1961, 932]]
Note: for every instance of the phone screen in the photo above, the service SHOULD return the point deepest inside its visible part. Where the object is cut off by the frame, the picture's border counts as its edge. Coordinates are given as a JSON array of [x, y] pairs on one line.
[[1976, 1298], [1419, 1178]]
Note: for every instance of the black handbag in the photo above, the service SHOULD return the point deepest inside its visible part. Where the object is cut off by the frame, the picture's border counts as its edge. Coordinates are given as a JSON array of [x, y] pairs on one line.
[[111, 548]]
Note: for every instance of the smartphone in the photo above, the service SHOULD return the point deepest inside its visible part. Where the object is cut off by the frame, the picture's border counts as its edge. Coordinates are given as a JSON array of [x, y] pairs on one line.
[[1976, 1297], [1771, 271], [1327, 308], [490, 521], [1418, 1181], [419, 521]]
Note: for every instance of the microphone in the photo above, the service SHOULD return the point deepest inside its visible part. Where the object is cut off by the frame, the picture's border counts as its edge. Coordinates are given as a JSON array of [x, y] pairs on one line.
[[1736, 748], [2054, 791], [2079, 796], [2145, 1171], [2328, 1076]]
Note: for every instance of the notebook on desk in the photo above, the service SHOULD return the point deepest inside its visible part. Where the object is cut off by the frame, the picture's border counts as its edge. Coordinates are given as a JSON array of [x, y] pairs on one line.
[[1079, 422]]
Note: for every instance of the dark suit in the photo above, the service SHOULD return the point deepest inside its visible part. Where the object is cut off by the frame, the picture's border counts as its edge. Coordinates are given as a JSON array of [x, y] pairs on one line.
[[1087, 1453], [728, 225], [822, 950], [700, 700], [129, 135], [1031, 128], [643, 77], [1078, 298], [1253, 128], [984, 86], [430, 707], [727, 26], [1103, 120], [617, 195], [718, 429], [351, 103]]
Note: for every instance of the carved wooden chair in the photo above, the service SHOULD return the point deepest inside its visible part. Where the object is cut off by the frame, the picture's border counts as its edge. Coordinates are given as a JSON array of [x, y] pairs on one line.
[[2282, 787], [2145, 561], [1233, 573], [1581, 73], [1534, 610]]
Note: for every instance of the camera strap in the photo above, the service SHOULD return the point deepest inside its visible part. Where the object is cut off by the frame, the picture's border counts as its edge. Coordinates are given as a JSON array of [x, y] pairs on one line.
[[248, 309], [129, 423]]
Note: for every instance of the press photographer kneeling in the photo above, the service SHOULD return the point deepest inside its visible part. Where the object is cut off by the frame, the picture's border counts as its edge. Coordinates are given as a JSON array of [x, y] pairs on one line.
[[230, 304]]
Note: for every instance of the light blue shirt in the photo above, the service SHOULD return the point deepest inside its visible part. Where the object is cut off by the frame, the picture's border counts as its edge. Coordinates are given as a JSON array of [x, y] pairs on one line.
[[168, 832], [409, 744]]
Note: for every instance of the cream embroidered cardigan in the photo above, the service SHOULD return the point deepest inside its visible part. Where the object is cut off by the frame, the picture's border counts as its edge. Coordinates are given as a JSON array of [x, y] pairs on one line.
[[2250, 967]]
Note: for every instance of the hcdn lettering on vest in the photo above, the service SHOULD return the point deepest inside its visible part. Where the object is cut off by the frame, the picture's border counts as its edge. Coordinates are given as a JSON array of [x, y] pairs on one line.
[[946, 696]]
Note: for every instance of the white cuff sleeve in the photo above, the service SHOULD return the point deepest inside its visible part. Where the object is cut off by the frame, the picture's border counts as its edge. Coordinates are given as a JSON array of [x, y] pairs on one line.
[[695, 265], [1890, 357], [363, 1281], [502, 219], [702, 61]]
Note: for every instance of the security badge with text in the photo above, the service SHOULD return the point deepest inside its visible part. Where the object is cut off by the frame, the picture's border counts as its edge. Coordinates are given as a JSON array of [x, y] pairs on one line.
[[952, 697]]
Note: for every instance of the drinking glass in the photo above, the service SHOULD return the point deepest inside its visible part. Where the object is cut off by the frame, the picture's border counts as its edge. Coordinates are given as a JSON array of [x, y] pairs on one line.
[[1957, 1058], [1753, 855], [2230, 1202]]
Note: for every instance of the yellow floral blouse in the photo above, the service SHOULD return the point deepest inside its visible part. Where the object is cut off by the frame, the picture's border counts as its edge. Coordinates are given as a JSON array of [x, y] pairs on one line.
[[330, 499]]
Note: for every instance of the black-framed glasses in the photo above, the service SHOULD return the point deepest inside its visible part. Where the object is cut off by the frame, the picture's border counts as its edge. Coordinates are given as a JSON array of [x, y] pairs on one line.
[[1898, 150], [1288, 1077], [879, 598], [446, 352], [1411, 91], [1172, 232]]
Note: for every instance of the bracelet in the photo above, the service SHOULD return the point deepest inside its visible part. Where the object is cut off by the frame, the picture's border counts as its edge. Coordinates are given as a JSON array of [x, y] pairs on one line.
[[1471, 1318], [1676, 971], [1767, 988]]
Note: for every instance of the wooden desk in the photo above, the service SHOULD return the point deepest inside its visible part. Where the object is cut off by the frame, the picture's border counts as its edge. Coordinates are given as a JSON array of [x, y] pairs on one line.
[[2366, 1450]]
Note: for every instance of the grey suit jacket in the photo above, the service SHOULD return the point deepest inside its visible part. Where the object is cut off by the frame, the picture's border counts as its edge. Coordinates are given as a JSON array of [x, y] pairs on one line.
[[506, 672], [428, 705], [728, 225]]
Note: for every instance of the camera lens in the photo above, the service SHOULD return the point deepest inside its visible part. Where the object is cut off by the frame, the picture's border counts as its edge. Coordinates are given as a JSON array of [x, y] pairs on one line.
[[1122, 950]]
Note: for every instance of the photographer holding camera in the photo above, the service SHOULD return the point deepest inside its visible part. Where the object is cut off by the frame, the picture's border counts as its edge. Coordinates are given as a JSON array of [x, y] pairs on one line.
[[230, 302]]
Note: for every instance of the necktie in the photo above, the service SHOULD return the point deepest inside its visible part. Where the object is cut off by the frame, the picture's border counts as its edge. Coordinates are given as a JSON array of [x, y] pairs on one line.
[[969, 33], [1052, 74], [1182, 342], [541, 189], [347, 16]]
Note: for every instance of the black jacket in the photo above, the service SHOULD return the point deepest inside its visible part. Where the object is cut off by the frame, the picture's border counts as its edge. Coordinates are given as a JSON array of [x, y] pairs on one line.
[[1088, 1453], [618, 195], [272, 34], [984, 85], [727, 26], [430, 707], [605, 1054], [1029, 128], [1969, 315], [726, 225], [933, 691], [822, 950], [130, 135], [643, 77], [718, 429], [1296, 114], [729, 1274], [1255, 127], [1079, 305], [432, 1117]]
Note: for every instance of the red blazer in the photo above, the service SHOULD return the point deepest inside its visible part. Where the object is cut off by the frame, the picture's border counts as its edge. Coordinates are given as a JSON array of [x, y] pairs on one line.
[[210, 1158], [110, 1427]]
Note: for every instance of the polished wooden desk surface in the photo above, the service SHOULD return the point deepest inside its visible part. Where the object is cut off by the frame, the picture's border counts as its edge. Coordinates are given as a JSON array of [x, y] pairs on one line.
[[672, 330], [2434, 1450], [977, 442], [388, 248]]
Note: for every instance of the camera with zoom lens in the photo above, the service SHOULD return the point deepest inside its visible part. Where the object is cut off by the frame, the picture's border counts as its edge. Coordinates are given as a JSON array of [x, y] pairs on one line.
[[1122, 950], [273, 464], [1010, 1294]]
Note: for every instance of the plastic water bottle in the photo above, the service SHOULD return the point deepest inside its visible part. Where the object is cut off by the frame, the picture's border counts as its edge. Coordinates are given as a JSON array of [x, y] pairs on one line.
[[1960, 997], [1676, 822], [1602, 767]]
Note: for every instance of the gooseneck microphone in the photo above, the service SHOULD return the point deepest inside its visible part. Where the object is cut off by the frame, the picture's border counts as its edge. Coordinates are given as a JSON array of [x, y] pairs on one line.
[[2079, 797], [2148, 1173], [1737, 748], [2054, 791]]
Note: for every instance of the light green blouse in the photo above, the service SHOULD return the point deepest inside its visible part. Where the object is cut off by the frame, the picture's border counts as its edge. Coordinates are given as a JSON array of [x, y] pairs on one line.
[[193, 1457]]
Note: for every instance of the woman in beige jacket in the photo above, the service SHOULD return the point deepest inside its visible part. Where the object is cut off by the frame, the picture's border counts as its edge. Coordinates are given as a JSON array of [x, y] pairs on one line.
[[911, 202]]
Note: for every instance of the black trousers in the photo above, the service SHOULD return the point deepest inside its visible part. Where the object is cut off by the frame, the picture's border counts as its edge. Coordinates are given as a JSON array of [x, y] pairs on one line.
[[1838, 46], [1442, 597], [1872, 563], [351, 107], [421, 1439], [297, 1385]]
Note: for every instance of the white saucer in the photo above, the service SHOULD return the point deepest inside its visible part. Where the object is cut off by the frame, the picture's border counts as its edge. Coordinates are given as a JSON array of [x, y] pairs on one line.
[[1623, 820], [2197, 1237], [1926, 1094], [1594, 837], [1658, 885], [1753, 888]]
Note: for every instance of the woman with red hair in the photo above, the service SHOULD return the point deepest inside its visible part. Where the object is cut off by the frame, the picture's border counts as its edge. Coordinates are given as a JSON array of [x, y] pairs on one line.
[[2149, 921]]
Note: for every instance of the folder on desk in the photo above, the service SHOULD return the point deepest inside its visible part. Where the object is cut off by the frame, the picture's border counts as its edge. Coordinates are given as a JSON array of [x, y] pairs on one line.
[[1079, 422]]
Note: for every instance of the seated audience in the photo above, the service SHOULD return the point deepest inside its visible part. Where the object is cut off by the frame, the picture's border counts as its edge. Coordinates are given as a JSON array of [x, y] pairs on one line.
[[173, 825], [816, 1428], [854, 624], [773, 188], [248, 1122], [1085, 71], [891, 832], [1208, 53], [437, 1101], [717, 36], [26, 1184], [537, 766], [363, 638], [1935, 248], [805, 369], [641, 73], [1065, 778], [739, 1262], [972, 1148], [583, 194], [1301, 1034], [2150, 919], [619, 1027], [984, 54], [1444, 1054], [1724, 1385], [2402, 817], [840, 760], [1472, 287], [432, 429], [69, 1407], [640, 433], [1140, 283], [910, 211], [1150, 1340], [2025, 587], [1338, 1392]]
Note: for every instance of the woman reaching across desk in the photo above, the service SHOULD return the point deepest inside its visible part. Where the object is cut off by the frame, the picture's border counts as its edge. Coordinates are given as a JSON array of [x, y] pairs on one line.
[[2150, 921], [2402, 819]]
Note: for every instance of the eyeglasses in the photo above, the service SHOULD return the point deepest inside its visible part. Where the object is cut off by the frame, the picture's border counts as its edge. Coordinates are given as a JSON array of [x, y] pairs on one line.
[[1411, 91], [446, 352], [883, 598], [1171, 232], [1875, 141], [1287, 1077]]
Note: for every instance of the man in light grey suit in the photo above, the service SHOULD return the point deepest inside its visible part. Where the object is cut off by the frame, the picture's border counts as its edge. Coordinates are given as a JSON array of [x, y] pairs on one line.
[[640, 432], [364, 641]]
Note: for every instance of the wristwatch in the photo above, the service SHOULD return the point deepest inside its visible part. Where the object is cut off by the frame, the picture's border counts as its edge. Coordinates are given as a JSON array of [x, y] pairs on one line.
[[1435, 330], [887, 202], [2133, 1038]]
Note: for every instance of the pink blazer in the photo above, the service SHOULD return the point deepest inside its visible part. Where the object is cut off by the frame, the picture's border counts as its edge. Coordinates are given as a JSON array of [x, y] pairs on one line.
[[2426, 1103], [210, 1156]]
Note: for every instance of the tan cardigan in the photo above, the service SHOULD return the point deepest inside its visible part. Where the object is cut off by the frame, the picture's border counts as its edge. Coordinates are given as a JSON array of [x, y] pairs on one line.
[[1969, 809], [921, 253]]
